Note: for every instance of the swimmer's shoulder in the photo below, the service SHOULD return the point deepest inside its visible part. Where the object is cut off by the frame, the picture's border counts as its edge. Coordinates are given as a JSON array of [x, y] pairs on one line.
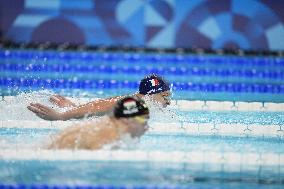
[[103, 121]]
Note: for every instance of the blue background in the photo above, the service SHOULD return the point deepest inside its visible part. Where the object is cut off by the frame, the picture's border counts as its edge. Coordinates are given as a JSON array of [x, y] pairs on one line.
[[245, 24]]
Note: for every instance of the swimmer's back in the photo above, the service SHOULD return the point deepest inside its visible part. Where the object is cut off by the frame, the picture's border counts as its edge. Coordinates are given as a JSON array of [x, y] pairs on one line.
[[88, 135]]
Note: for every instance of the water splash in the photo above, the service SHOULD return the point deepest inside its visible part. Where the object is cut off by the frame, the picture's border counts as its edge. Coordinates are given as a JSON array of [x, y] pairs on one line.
[[125, 143], [158, 113], [15, 107]]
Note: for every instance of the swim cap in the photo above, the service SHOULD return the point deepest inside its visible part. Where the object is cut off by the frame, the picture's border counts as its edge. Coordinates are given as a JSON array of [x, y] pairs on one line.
[[130, 107], [153, 84]]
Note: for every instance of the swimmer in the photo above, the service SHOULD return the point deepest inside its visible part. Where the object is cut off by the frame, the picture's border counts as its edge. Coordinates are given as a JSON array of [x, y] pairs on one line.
[[152, 87], [129, 118]]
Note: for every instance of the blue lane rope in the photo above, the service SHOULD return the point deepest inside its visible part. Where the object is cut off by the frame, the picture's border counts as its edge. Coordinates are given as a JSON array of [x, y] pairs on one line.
[[247, 73], [110, 84]]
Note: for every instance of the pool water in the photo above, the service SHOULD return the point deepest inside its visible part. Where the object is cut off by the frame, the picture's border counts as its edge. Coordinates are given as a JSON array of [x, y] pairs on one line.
[[162, 157], [137, 174], [224, 128], [163, 142], [194, 77]]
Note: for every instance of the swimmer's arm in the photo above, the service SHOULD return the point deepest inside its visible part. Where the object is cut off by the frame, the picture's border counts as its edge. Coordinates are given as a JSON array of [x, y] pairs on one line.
[[97, 107], [61, 101]]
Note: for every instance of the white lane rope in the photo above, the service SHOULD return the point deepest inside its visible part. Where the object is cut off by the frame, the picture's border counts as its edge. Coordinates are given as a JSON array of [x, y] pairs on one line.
[[230, 158], [166, 128]]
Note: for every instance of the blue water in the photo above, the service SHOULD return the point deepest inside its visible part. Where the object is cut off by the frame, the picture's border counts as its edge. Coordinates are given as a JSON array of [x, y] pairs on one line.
[[194, 77], [137, 174], [147, 173]]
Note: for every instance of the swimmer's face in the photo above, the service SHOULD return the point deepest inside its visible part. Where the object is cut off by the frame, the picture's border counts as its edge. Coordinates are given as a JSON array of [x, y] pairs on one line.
[[138, 125], [163, 98]]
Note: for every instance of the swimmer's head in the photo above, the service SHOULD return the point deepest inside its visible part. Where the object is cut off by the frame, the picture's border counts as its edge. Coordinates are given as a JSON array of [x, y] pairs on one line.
[[130, 107], [134, 113], [156, 87]]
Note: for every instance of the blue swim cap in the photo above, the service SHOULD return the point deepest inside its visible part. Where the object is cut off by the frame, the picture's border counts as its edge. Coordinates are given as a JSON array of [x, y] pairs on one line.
[[153, 84]]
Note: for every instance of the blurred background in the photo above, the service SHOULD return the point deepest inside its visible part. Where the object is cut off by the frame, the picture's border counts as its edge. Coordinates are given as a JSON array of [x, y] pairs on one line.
[[208, 49], [211, 24]]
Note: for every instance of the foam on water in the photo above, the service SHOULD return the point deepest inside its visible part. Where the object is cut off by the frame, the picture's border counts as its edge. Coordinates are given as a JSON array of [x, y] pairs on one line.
[[15, 108]]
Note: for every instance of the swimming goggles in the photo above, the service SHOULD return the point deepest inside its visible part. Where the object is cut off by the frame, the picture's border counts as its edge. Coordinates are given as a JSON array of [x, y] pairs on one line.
[[141, 119]]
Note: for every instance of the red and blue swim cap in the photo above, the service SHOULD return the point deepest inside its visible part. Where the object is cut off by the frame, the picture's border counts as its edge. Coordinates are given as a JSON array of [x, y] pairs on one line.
[[153, 84]]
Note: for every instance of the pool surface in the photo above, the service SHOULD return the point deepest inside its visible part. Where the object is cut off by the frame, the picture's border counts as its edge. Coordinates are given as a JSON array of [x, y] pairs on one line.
[[223, 129]]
